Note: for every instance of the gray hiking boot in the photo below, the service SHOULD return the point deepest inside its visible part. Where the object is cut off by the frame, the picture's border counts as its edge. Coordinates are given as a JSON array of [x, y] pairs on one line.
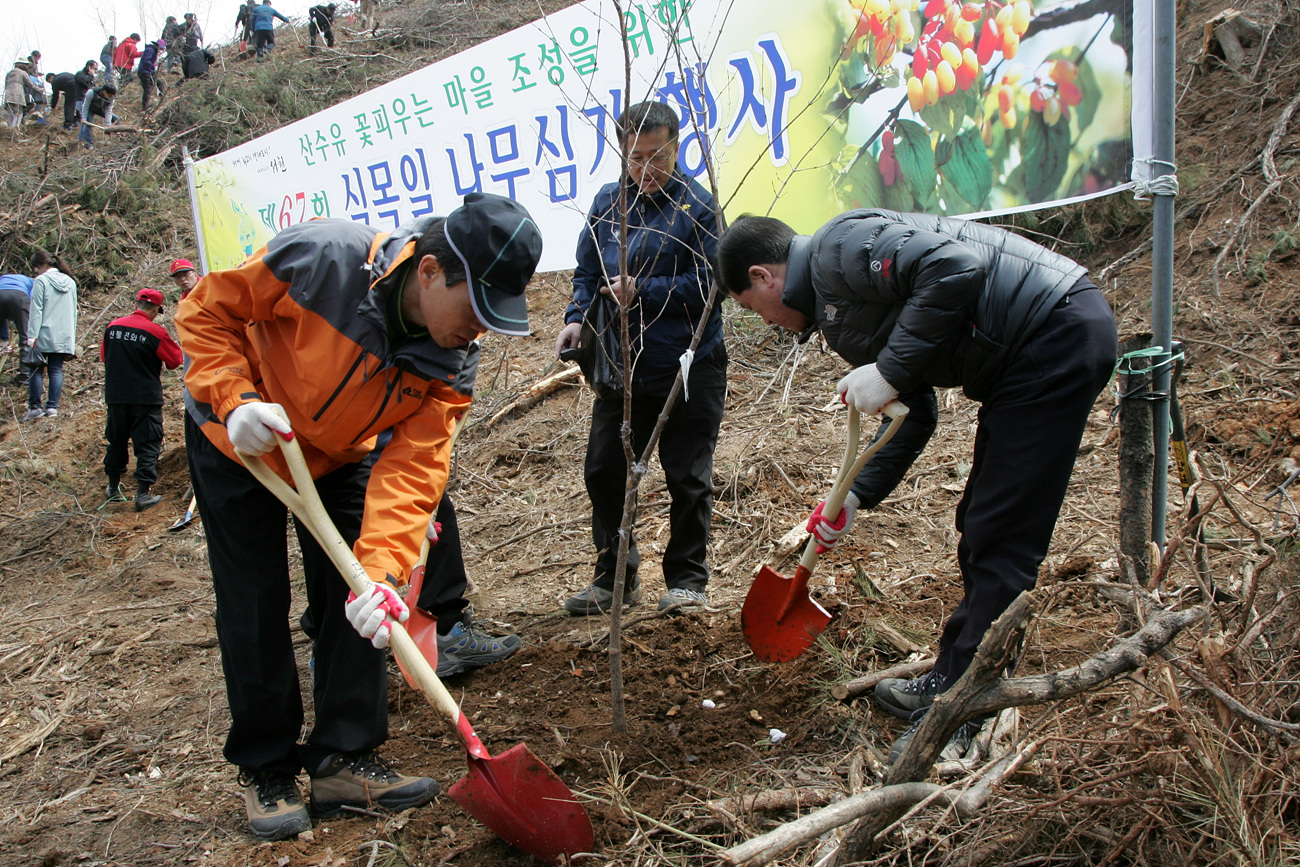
[[956, 747], [145, 500], [365, 781], [598, 600], [466, 647], [274, 805], [903, 697], [682, 600], [114, 494]]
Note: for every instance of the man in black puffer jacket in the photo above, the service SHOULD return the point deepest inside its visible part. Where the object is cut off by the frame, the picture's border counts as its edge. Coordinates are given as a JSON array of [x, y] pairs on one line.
[[915, 302]]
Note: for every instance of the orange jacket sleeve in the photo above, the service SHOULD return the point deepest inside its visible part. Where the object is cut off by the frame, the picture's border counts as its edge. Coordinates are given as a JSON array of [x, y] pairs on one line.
[[407, 481], [211, 321]]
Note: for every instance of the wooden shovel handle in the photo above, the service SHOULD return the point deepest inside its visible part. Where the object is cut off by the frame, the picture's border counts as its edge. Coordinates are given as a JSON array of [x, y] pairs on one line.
[[305, 502], [848, 472]]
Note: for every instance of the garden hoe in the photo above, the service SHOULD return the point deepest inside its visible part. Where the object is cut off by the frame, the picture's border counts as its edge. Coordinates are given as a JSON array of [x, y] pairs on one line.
[[184, 520], [514, 794], [780, 619]]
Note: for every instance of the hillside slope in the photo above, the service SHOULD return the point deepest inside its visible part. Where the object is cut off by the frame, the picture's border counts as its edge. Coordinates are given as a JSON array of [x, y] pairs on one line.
[[113, 711]]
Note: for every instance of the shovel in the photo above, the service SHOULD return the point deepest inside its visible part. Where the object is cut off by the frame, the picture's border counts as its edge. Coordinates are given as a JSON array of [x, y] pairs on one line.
[[184, 520], [514, 794], [780, 619]]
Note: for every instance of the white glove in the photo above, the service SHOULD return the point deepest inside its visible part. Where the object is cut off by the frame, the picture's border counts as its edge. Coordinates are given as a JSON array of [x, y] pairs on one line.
[[369, 612], [252, 427], [865, 390], [433, 531], [829, 533]]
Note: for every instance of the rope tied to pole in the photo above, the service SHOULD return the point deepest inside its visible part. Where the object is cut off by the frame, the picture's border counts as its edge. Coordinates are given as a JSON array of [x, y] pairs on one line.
[[1160, 185]]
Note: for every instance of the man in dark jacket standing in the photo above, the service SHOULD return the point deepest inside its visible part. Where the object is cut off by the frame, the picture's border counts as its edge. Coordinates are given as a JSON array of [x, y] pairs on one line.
[[672, 228], [915, 302], [171, 35], [134, 350], [64, 84]]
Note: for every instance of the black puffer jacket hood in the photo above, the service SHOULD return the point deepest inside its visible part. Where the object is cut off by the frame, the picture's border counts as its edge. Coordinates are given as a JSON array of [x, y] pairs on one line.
[[932, 300]]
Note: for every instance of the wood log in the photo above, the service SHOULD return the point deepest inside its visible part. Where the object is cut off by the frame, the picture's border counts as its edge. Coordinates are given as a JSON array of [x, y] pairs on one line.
[[536, 392], [859, 685]]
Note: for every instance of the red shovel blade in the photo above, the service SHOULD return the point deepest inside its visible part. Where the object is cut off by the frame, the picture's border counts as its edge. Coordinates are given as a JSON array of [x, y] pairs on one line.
[[526, 804], [422, 627], [779, 619]]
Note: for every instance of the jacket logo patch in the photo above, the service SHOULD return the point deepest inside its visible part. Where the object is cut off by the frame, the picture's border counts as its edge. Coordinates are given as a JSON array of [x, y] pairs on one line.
[[885, 266], [412, 392], [831, 312]]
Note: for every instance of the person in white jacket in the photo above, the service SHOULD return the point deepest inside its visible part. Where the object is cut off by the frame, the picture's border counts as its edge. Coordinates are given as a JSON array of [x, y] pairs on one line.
[[52, 329]]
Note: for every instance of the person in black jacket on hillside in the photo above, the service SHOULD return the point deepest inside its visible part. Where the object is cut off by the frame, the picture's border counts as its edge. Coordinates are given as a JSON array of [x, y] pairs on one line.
[[672, 228], [134, 350], [65, 84], [320, 19], [915, 302]]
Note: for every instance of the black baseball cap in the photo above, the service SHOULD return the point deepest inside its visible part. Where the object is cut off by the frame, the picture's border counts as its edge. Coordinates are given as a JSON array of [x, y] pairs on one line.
[[499, 245]]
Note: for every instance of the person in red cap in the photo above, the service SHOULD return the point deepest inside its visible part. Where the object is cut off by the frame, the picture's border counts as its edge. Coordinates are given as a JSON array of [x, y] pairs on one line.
[[184, 275], [134, 351]]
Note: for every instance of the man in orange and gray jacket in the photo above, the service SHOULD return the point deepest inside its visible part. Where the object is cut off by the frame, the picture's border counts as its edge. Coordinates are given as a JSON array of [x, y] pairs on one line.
[[337, 333]]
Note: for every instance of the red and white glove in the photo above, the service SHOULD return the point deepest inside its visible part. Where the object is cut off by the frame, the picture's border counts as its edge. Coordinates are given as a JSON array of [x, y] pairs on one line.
[[828, 532], [865, 390], [252, 427], [369, 613], [433, 532]]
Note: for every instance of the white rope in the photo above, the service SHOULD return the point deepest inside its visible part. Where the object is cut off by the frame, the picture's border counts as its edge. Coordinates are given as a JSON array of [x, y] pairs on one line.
[[1161, 185]]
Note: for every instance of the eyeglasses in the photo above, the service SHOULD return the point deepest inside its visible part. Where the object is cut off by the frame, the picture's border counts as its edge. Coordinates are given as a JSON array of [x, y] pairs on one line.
[[662, 158]]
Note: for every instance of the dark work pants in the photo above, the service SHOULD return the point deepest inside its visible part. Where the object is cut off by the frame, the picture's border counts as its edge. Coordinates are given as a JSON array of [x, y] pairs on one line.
[[443, 592], [686, 453], [327, 31], [1025, 446], [148, 83], [142, 426], [263, 41], [248, 553]]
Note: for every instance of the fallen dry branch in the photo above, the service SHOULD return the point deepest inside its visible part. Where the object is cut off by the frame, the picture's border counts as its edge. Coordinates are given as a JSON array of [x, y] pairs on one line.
[[983, 690], [859, 685], [793, 798], [536, 392], [1274, 183]]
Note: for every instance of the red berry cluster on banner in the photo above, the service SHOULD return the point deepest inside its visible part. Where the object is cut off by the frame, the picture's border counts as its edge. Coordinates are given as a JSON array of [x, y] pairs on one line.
[[1054, 98], [949, 55]]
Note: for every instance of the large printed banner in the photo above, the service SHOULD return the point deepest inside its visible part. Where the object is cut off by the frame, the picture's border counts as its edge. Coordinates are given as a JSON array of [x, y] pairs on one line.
[[809, 108]]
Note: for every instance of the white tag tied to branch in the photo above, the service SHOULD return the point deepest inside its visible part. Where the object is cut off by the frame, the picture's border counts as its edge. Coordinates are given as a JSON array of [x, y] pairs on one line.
[[687, 357]]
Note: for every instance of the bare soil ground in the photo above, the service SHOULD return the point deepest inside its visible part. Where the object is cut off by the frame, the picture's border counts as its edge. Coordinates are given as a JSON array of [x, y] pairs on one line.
[[113, 713]]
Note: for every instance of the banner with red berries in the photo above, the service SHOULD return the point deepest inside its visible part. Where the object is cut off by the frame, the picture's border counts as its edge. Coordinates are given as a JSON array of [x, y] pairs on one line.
[[799, 109]]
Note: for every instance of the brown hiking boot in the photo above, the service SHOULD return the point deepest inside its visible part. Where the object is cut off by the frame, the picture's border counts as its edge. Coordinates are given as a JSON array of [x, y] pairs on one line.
[[365, 781], [274, 805]]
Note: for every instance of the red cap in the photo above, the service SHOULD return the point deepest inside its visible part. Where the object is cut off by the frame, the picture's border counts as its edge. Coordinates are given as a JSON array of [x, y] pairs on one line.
[[181, 265], [153, 296]]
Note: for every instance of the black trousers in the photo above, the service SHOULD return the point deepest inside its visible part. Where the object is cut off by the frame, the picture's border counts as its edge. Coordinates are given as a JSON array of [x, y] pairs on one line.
[[148, 83], [326, 30], [140, 425], [245, 527], [1025, 446], [686, 453]]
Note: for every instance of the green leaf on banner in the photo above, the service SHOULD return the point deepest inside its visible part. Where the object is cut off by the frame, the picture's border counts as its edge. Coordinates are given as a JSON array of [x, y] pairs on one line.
[[897, 198], [915, 158], [1047, 155], [1091, 95], [969, 169], [942, 151], [940, 117], [863, 187]]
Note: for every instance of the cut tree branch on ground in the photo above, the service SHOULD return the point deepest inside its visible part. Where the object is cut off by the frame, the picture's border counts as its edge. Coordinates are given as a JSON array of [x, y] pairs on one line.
[[860, 685], [1274, 183]]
